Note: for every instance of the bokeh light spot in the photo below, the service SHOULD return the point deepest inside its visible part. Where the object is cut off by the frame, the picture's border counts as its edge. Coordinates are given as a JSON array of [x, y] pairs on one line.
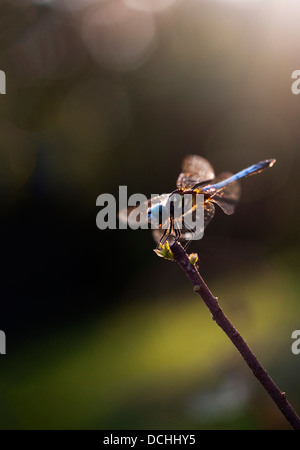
[[118, 37], [150, 5]]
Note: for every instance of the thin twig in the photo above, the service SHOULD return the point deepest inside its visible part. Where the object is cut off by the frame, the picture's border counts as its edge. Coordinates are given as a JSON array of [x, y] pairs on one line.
[[220, 318]]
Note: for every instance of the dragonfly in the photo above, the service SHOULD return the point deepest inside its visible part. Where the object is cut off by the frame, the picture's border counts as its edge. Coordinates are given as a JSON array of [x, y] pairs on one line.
[[197, 176]]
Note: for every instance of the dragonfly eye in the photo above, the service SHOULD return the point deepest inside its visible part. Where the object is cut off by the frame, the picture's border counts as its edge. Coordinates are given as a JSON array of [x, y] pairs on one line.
[[155, 215]]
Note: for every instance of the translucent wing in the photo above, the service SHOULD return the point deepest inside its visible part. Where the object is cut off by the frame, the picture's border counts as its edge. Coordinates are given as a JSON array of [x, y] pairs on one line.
[[209, 212], [228, 196], [195, 169], [139, 213], [157, 235]]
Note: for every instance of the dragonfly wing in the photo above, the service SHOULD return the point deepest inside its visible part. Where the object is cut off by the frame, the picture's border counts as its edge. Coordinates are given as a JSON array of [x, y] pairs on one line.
[[227, 197], [195, 169], [139, 214], [158, 234], [209, 212]]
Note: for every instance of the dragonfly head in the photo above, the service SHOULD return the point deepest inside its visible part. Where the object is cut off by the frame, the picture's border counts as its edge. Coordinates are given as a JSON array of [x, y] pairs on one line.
[[155, 214]]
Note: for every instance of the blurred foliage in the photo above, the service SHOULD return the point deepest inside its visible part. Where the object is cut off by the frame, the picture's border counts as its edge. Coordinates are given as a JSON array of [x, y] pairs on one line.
[[101, 93]]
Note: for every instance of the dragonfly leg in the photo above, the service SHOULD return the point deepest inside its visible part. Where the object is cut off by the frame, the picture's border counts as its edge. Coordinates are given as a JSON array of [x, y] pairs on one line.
[[190, 240], [166, 235], [187, 245], [162, 239], [177, 233]]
